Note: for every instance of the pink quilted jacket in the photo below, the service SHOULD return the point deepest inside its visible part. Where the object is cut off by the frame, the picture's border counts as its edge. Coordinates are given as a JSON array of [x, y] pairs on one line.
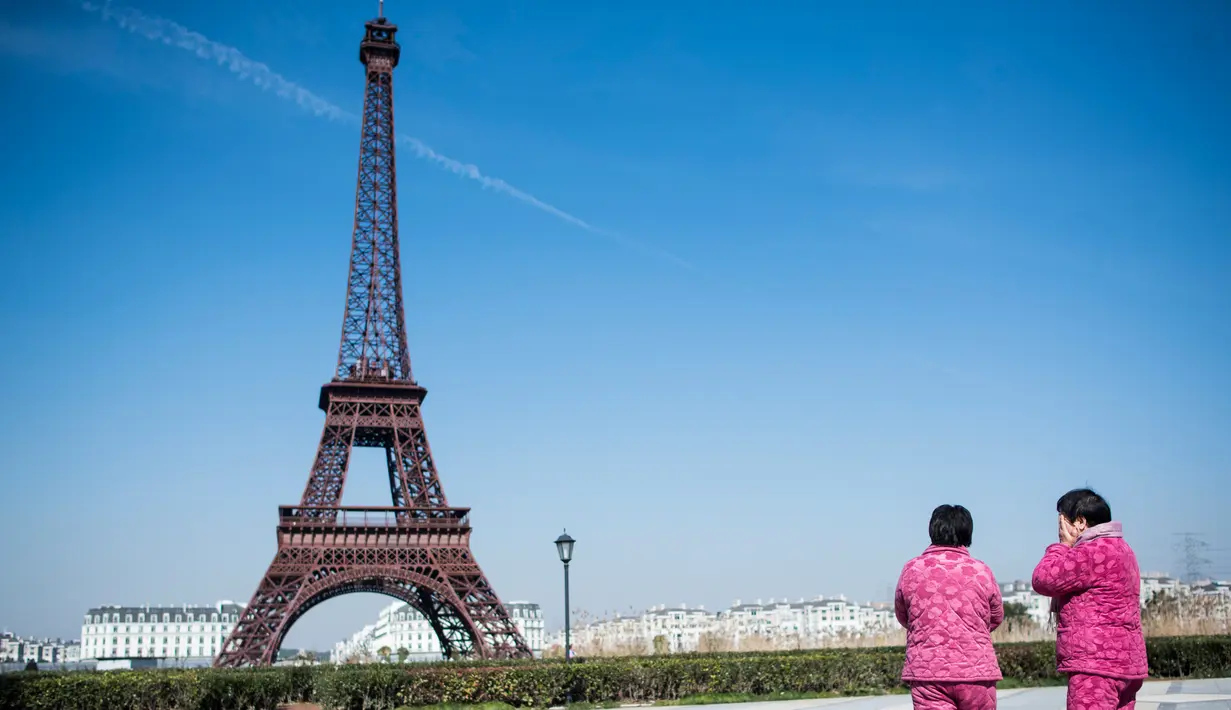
[[949, 603], [1095, 588]]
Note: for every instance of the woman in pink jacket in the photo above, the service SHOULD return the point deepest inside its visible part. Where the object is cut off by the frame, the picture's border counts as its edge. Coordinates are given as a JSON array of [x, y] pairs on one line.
[[1095, 585], [949, 603]]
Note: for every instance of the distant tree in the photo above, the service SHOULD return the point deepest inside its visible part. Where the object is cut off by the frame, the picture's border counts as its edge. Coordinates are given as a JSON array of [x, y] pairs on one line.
[[363, 654], [31, 666], [403, 654], [661, 647], [384, 652], [1016, 612]]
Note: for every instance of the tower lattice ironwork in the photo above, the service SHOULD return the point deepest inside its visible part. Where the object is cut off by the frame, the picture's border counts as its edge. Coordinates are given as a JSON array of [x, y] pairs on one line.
[[418, 549]]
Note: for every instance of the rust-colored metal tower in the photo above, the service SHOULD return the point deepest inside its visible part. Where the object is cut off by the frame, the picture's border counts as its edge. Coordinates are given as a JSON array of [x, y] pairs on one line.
[[418, 549]]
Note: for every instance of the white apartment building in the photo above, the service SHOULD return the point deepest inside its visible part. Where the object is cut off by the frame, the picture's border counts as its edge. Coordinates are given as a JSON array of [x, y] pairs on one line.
[[1206, 596], [357, 648], [1038, 607], [680, 626], [1213, 588], [816, 618], [621, 633], [1153, 583], [528, 618], [683, 628], [15, 649], [180, 632], [1217, 591], [401, 626]]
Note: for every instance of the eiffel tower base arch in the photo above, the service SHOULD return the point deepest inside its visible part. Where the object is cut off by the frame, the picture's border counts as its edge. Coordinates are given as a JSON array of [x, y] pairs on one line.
[[398, 552]]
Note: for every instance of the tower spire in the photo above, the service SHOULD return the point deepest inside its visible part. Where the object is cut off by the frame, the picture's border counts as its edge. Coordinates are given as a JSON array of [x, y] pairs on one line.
[[373, 346]]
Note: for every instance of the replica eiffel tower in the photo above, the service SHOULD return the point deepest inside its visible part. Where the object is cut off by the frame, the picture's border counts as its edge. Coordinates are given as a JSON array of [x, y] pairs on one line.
[[418, 549]]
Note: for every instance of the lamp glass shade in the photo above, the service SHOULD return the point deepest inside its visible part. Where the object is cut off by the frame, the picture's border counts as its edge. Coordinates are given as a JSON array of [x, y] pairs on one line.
[[564, 546]]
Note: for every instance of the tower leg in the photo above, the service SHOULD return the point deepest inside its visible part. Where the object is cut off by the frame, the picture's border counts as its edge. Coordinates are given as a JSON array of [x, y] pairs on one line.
[[263, 620], [500, 637], [450, 592], [328, 476]]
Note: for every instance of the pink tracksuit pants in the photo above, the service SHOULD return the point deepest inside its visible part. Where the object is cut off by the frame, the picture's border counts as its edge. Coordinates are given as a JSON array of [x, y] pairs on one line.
[[954, 696], [1096, 692]]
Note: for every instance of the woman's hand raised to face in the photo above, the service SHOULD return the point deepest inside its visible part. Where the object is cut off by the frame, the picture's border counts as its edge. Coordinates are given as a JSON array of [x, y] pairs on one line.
[[1068, 533]]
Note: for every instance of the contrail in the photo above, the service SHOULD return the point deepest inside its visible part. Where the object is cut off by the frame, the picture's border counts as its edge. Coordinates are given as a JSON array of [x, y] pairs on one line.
[[174, 34]]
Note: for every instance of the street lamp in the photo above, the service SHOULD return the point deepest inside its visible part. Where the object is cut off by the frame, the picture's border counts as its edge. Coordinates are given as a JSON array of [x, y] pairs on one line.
[[564, 546]]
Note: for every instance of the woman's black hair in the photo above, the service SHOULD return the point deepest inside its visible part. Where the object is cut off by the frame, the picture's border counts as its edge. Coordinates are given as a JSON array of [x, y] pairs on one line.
[[1084, 503], [951, 526]]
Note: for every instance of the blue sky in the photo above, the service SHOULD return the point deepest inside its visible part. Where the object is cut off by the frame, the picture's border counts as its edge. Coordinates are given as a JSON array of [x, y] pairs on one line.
[[958, 252]]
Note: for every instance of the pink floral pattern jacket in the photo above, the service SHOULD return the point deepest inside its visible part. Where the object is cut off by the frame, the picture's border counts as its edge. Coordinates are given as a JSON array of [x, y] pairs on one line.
[[1095, 588], [949, 603]]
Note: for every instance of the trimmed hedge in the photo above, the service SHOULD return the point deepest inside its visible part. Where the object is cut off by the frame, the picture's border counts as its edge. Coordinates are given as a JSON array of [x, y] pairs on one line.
[[547, 683]]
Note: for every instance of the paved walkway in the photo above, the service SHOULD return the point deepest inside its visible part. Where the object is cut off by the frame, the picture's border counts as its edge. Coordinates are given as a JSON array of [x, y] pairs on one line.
[[1212, 694], [1154, 695]]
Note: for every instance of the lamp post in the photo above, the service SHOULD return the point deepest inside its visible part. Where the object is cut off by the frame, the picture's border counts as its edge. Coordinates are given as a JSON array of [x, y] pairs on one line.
[[564, 546]]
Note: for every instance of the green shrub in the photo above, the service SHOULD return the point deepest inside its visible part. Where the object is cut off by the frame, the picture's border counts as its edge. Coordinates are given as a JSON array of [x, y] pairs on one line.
[[1189, 656], [545, 683]]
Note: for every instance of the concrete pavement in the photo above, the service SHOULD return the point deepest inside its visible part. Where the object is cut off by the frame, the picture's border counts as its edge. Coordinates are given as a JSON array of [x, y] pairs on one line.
[[1212, 694]]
